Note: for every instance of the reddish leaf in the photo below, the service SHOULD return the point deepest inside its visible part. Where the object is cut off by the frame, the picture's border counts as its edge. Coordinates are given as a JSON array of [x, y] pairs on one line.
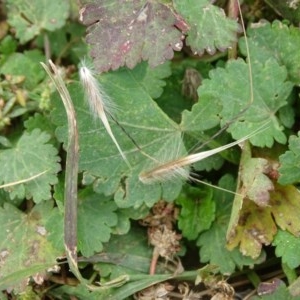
[[267, 288], [127, 32]]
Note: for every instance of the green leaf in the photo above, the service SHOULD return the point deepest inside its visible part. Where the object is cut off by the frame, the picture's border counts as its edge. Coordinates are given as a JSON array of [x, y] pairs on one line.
[[287, 114], [66, 42], [287, 247], [125, 254], [42, 122], [124, 218], [197, 212], [54, 224], [31, 155], [178, 83], [151, 78], [127, 37], [276, 40], [289, 169], [96, 216], [213, 249], [24, 247], [156, 135], [210, 30], [25, 64], [194, 120], [8, 45], [80, 291], [5, 142], [30, 20], [271, 91], [199, 125]]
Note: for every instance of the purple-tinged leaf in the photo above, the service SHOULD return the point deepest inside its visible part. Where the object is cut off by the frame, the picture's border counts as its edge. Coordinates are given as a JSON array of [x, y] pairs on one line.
[[126, 32]]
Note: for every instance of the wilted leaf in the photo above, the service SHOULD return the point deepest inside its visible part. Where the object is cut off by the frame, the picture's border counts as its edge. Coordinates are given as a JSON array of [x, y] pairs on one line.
[[31, 156], [24, 247], [280, 293], [256, 184], [30, 20], [290, 162], [287, 247], [257, 225], [285, 207], [197, 211], [213, 250], [251, 223], [255, 229], [213, 242], [126, 32], [209, 30]]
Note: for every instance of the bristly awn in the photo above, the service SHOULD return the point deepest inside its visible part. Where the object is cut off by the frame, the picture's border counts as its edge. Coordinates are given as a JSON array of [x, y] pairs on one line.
[[99, 103], [178, 167]]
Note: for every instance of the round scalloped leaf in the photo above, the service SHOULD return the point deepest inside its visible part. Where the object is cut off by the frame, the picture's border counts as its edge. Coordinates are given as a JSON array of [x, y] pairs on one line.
[[210, 30], [290, 162], [32, 155], [197, 211], [213, 248], [275, 40], [289, 255], [25, 64], [126, 32], [96, 217], [231, 86], [24, 246], [30, 18]]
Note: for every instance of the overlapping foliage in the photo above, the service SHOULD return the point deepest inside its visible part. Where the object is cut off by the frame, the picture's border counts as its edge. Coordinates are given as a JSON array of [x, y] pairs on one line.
[[135, 41]]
